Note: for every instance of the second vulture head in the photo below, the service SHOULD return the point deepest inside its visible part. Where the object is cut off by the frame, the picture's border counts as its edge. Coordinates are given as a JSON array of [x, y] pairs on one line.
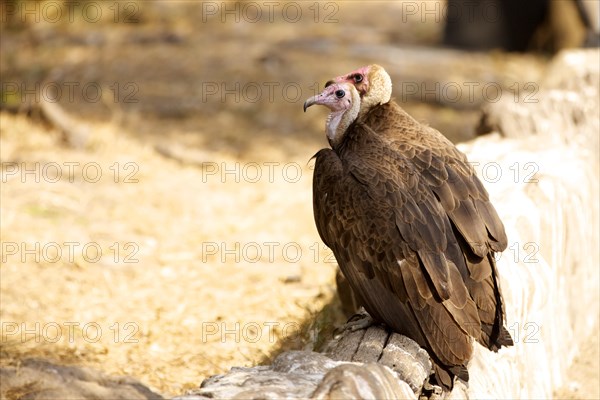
[[372, 82], [343, 99]]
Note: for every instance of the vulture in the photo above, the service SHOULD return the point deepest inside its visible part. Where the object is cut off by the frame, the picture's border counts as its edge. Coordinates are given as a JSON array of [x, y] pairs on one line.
[[410, 224]]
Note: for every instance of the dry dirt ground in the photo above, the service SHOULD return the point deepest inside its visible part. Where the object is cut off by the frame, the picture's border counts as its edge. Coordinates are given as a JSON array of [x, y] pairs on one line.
[[167, 233], [176, 259]]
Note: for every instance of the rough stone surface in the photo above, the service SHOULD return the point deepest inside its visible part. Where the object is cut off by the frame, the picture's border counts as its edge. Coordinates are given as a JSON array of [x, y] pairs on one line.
[[305, 374]]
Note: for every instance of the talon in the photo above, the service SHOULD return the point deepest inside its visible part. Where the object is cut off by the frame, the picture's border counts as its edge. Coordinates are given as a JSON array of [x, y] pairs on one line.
[[360, 320]]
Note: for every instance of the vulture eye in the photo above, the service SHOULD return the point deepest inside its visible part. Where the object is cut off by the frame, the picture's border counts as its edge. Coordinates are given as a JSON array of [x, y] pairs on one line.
[[339, 94], [358, 78]]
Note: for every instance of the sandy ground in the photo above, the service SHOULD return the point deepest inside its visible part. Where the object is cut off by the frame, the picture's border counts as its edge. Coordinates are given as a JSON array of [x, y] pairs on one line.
[[174, 237], [171, 276]]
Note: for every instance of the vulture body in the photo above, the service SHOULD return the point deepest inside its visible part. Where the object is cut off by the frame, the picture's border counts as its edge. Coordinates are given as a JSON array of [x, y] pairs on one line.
[[410, 224]]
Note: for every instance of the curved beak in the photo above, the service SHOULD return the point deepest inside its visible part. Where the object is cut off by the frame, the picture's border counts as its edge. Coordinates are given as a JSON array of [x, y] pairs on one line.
[[321, 98], [325, 98], [313, 100]]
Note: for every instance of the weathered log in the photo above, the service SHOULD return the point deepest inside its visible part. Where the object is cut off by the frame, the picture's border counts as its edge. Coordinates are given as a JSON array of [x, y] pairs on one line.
[[364, 363], [546, 193]]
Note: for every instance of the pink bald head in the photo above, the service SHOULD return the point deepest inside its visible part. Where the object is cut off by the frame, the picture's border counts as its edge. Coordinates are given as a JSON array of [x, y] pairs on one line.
[[359, 78], [372, 83], [344, 102]]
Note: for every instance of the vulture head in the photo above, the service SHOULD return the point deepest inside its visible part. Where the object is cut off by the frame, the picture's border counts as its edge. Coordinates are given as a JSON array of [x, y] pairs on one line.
[[372, 82], [343, 100]]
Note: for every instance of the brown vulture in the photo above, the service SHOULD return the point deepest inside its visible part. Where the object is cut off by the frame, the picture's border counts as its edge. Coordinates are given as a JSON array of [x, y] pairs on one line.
[[409, 222]]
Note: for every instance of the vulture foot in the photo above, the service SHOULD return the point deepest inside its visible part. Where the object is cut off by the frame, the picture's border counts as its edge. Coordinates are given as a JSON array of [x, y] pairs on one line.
[[360, 320], [430, 391]]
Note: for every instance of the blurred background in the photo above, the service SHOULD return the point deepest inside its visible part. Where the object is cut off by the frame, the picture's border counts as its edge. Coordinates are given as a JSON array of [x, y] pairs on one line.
[[156, 184]]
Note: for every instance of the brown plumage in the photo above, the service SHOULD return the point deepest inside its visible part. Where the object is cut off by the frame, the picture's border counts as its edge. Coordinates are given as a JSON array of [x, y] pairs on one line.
[[411, 226]]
